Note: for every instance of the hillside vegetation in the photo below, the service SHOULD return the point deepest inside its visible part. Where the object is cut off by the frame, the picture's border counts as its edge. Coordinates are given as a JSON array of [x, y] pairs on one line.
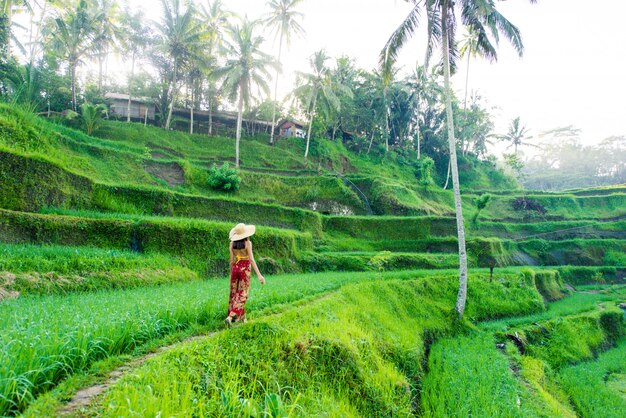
[[114, 244]]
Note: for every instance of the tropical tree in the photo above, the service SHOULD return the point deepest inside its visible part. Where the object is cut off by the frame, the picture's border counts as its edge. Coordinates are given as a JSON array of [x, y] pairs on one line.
[[214, 18], [283, 20], [180, 34], [91, 117], [482, 17], [110, 34], [136, 39], [517, 135], [317, 85], [7, 10], [425, 94], [246, 67], [73, 33]]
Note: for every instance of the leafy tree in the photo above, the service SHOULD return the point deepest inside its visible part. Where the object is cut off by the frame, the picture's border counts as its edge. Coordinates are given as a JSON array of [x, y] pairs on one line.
[[180, 33], [318, 85], [136, 39], [91, 117], [283, 20], [73, 34], [482, 17], [517, 135], [246, 67], [214, 19]]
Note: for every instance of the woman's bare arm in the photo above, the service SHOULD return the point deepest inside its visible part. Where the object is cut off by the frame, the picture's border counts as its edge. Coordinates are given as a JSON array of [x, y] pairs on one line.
[[253, 262], [232, 258]]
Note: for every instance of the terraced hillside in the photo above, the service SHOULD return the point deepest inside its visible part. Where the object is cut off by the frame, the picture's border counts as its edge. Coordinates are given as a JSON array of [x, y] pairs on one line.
[[115, 244]]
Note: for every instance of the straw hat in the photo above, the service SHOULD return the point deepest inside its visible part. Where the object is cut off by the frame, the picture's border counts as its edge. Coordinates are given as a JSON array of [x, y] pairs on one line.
[[241, 231]]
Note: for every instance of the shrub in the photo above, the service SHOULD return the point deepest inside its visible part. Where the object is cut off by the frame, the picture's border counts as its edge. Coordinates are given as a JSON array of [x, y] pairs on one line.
[[425, 170], [224, 178]]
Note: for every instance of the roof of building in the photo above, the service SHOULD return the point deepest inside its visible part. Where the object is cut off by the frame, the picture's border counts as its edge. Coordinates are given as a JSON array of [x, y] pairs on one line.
[[121, 96]]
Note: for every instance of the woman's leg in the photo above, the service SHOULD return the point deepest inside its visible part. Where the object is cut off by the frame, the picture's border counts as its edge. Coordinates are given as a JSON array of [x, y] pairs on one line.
[[243, 289]]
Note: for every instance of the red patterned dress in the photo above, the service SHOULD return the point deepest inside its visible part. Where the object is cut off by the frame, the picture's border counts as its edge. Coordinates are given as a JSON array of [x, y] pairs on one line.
[[239, 285]]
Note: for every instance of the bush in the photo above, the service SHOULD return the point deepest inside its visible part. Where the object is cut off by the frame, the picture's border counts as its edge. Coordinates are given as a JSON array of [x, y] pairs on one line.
[[224, 178]]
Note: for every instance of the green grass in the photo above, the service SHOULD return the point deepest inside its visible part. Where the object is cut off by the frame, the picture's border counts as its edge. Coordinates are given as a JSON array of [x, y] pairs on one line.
[[598, 388], [47, 338], [26, 269], [469, 376], [356, 352]]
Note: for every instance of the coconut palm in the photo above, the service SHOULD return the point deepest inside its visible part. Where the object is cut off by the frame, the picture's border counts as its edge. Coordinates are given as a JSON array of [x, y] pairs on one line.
[[136, 39], [7, 10], [72, 34], [246, 67], [282, 20], [516, 135], [318, 85], [425, 92], [482, 17], [111, 34], [180, 33], [214, 18]]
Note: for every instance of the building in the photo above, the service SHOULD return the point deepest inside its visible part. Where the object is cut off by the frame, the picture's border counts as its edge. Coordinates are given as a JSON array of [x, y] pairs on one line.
[[140, 107], [291, 128]]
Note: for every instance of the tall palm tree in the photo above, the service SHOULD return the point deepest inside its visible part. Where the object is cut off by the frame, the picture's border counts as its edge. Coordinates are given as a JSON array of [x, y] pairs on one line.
[[317, 85], [73, 33], [425, 93], [246, 67], [482, 17], [516, 135], [7, 10], [214, 18], [136, 39], [386, 76], [282, 19], [180, 33], [111, 34]]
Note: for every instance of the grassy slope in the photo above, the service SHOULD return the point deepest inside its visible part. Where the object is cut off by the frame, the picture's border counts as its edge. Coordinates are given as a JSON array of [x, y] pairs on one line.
[[358, 352]]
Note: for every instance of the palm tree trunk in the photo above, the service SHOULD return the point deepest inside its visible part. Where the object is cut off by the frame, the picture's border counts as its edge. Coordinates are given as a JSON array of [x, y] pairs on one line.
[[445, 186], [280, 50], [210, 101], [191, 110], [130, 87], [386, 120], [308, 136], [417, 123], [239, 119], [169, 113], [73, 82], [371, 141], [462, 295]]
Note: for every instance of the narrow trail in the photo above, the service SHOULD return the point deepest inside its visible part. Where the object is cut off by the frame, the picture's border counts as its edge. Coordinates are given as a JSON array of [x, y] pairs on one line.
[[84, 397]]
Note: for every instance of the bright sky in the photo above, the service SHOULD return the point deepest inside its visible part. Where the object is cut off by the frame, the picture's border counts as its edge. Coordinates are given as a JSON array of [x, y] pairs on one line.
[[572, 72]]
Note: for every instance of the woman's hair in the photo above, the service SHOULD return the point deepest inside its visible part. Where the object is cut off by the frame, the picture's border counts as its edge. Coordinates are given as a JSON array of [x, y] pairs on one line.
[[240, 244]]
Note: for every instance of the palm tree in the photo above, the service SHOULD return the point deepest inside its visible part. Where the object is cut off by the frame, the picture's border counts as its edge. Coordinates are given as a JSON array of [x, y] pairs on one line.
[[73, 34], [110, 34], [135, 40], [7, 9], [215, 20], [516, 135], [246, 67], [425, 92], [482, 17], [282, 19], [180, 33], [386, 76], [317, 85]]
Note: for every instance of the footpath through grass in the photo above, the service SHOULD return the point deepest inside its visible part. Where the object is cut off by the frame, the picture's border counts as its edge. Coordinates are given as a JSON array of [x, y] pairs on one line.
[[47, 338], [357, 352]]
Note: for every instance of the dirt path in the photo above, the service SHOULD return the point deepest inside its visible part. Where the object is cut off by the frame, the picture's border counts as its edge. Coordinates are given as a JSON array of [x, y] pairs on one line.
[[87, 396]]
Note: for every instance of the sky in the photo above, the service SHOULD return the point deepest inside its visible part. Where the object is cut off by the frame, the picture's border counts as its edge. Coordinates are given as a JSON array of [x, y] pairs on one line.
[[572, 71]]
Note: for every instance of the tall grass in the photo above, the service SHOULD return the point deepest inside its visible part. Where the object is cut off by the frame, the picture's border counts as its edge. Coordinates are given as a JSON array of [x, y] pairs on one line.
[[357, 352], [597, 387], [46, 338]]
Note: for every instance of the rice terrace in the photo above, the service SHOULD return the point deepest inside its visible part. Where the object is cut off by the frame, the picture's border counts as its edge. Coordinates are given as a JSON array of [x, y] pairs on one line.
[[312, 208]]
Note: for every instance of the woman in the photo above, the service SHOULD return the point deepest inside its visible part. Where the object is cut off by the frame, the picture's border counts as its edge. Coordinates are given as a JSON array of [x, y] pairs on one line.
[[241, 258]]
